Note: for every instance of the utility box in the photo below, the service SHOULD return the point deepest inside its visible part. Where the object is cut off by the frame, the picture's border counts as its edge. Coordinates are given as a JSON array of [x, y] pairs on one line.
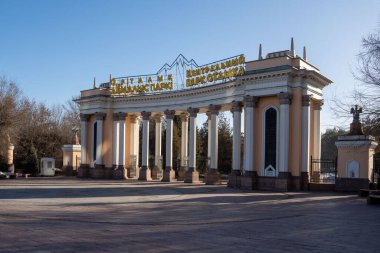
[[47, 168]]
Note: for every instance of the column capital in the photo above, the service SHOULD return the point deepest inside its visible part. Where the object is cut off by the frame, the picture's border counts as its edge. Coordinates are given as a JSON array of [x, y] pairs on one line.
[[306, 100], [214, 109], [84, 117], [115, 117], [100, 115], [122, 115], [251, 101], [236, 106], [134, 118], [285, 98], [184, 117], [193, 112], [146, 115], [158, 118], [169, 114], [318, 104]]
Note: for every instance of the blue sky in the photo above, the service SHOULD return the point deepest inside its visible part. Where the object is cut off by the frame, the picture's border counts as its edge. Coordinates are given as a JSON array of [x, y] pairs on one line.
[[53, 49]]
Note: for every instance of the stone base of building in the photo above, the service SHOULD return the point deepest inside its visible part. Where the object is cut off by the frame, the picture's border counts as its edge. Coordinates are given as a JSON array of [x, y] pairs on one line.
[[98, 172], [213, 177], [118, 173], [191, 176], [181, 173], [284, 182], [169, 175], [351, 184], [108, 172], [84, 171], [156, 173], [68, 170], [304, 183], [234, 179], [145, 174]]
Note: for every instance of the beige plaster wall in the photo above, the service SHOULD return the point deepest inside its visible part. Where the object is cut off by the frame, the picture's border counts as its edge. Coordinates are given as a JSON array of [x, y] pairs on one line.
[[90, 129], [295, 136], [363, 155]]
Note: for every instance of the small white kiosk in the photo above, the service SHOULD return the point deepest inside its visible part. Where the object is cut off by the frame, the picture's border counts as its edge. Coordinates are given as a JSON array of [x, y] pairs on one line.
[[47, 168]]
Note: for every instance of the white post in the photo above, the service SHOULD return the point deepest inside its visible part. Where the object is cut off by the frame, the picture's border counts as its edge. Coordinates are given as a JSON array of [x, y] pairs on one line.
[[213, 176], [115, 146], [156, 172], [134, 145], [250, 103], [208, 139], [122, 117], [285, 99], [169, 173], [236, 137], [99, 138], [305, 133], [83, 138], [145, 171], [191, 175], [184, 138]]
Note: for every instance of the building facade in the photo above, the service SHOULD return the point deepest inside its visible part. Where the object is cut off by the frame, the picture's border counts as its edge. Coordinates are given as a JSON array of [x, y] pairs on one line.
[[276, 101]]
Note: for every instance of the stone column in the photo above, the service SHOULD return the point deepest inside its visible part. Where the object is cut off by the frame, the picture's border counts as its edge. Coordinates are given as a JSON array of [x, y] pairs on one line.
[[115, 140], [157, 170], [317, 129], [169, 173], [250, 103], [213, 176], [192, 175], [99, 138], [83, 138], [145, 173], [119, 173], [208, 141], [134, 169], [285, 100], [98, 171], [305, 147], [184, 146], [236, 143]]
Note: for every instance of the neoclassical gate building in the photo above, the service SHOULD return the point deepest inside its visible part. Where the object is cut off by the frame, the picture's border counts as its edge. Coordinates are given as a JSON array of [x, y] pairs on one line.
[[278, 98]]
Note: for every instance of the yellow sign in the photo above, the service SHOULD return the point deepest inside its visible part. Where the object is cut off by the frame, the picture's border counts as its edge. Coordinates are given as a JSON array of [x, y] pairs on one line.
[[207, 74], [215, 72], [144, 84]]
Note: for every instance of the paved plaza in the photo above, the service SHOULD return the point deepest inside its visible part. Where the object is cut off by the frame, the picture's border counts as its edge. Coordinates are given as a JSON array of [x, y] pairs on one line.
[[73, 215]]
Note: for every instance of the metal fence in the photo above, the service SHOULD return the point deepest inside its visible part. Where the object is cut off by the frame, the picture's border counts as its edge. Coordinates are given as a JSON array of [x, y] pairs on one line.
[[323, 171]]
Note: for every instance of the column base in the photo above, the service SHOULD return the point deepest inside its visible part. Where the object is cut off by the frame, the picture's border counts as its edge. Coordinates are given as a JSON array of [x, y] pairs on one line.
[[192, 176], [84, 171], [169, 175], [133, 172], [304, 181], [181, 173], [98, 172], [156, 173], [213, 177], [234, 179], [145, 174]]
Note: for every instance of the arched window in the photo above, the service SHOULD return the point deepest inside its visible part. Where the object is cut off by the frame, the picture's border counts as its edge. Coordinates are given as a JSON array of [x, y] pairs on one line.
[[94, 137], [270, 135]]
